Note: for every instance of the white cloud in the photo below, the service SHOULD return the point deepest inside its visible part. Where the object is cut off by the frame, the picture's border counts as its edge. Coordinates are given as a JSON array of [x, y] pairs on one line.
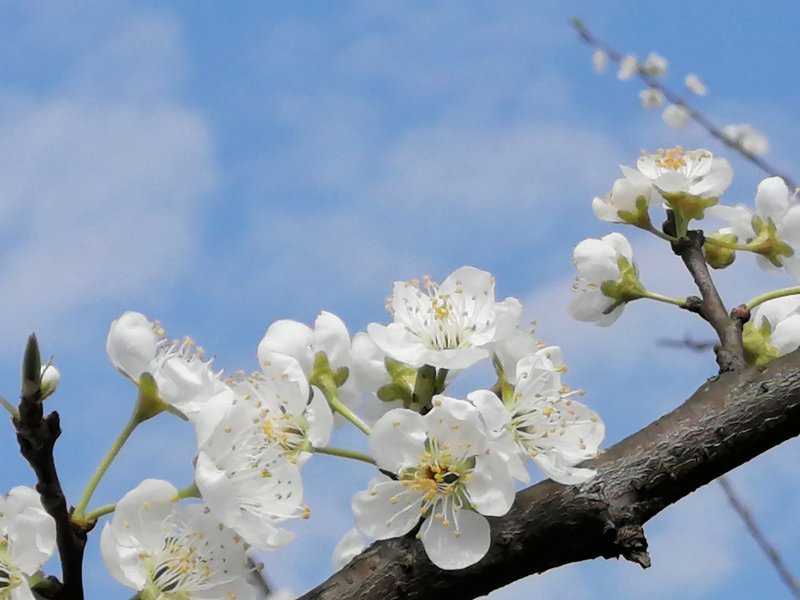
[[100, 192]]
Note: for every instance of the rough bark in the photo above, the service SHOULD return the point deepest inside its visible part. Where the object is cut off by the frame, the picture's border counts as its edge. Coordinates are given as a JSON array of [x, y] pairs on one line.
[[726, 422]]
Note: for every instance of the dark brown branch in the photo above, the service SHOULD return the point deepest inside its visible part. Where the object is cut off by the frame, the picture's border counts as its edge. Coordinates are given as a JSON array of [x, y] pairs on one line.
[[768, 549], [730, 352], [37, 435], [727, 422], [698, 117]]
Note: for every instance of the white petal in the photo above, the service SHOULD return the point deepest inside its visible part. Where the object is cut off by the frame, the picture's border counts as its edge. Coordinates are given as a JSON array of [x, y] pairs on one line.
[[491, 488], [291, 338], [387, 509], [347, 549], [772, 198], [492, 410], [131, 344], [331, 337], [398, 439], [320, 420], [450, 548], [560, 472]]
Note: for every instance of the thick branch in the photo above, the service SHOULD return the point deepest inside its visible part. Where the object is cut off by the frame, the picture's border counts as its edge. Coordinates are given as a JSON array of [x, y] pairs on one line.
[[37, 435], [728, 421], [730, 352]]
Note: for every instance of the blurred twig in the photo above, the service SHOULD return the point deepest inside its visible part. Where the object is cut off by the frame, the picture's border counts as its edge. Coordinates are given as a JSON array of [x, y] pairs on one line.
[[766, 547], [698, 117]]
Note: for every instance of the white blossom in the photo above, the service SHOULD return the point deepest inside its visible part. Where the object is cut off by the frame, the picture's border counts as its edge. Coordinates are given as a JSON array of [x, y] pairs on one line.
[[50, 378], [27, 541], [167, 552], [447, 326], [444, 474], [774, 227], [747, 138], [628, 67], [542, 421], [695, 85], [655, 65], [184, 378], [692, 172], [629, 199], [246, 467], [599, 60], [773, 329], [606, 279], [676, 116], [651, 98]]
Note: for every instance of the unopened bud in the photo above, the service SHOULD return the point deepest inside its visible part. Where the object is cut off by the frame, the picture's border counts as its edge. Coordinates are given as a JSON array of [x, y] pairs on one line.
[[49, 380], [719, 257]]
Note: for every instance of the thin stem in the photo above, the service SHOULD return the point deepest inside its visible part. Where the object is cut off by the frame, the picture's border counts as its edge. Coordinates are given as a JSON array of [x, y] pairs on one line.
[[103, 466], [790, 291], [652, 82], [190, 491], [731, 246], [766, 547], [324, 381], [664, 299], [344, 453], [658, 233], [9, 407]]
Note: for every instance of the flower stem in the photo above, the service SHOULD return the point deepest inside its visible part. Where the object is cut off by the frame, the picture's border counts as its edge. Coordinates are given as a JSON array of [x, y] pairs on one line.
[[730, 245], [790, 291], [344, 453], [664, 299], [104, 464], [9, 407], [658, 233], [324, 381]]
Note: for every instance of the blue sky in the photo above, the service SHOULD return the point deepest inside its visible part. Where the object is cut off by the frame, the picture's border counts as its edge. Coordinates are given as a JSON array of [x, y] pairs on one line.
[[219, 167]]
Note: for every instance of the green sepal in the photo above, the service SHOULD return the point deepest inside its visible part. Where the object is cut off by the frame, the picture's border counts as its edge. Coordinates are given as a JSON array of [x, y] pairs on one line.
[[149, 403], [340, 376], [639, 217], [686, 208], [757, 349], [627, 287], [395, 391]]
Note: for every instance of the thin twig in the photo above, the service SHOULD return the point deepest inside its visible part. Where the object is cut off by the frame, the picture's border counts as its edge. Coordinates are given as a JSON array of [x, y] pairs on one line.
[[37, 435], [766, 547], [698, 117]]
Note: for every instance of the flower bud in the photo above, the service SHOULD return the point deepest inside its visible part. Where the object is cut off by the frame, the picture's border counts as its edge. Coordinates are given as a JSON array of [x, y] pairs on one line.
[[49, 380], [719, 257]]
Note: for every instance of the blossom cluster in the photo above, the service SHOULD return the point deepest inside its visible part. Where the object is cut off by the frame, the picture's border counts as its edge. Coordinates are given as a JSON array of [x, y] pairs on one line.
[[443, 463], [688, 186]]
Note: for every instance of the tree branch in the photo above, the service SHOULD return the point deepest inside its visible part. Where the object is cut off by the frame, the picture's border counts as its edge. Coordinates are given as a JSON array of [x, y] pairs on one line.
[[37, 435], [730, 352], [728, 421]]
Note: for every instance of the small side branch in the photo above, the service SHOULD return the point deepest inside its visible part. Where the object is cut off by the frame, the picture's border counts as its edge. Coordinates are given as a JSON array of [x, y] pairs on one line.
[[37, 435], [730, 352], [752, 528]]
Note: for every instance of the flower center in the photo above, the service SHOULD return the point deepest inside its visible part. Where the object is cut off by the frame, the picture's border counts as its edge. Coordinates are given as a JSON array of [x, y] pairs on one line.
[[9, 574], [179, 568], [285, 430]]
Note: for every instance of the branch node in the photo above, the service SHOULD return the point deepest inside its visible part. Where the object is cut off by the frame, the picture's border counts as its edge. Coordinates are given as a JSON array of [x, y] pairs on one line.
[[633, 544]]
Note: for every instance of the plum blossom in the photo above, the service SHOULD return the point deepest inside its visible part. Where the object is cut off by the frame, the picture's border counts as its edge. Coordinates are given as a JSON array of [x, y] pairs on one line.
[[655, 65], [136, 345], [167, 552], [695, 85], [773, 330], [628, 67], [773, 230], [445, 473], [301, 342], [747, 138], [247, 464], [27, 541], [448, 325], [651, 98], [692, 172], [629, 200], [541, 420], [607, 279], [676, 116], [599, 60]]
